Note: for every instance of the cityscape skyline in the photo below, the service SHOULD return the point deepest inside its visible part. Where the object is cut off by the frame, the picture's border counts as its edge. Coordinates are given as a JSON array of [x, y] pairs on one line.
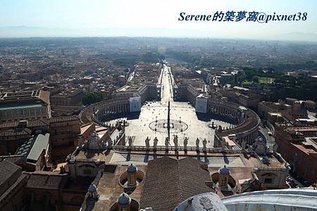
[[158, 105], [141, 18]]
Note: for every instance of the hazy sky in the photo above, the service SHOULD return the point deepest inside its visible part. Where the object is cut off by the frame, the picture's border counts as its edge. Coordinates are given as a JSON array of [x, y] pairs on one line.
[[24, 18]]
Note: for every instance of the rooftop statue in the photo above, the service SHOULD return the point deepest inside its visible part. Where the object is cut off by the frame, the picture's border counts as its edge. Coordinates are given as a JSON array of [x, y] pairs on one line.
[[147, 142], [197, 142], [166, 142], [185, 142], [175, 140], [130, 141], [204, 145], [155, 141]]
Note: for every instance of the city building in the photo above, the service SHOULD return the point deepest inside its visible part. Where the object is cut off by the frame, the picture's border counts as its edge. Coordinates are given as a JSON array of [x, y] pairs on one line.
[[64, 135], [12, 187], [29, 105], [201, 104], [298, 146], [293, 111], [64, 98], [242, 96], [66, 102], [165, 136], [36, 153]]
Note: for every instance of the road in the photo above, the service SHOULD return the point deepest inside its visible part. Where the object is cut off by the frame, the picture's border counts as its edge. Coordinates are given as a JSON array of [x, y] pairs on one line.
[[166, 86]]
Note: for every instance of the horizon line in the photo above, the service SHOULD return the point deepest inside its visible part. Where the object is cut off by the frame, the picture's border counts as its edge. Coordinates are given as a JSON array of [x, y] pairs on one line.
[[157, 37]]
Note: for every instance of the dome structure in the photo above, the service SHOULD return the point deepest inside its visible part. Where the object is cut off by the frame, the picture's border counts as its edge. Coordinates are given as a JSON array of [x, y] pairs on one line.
[[124, 199], [132, 168], [92, 188], [224, 170], [204, 201]]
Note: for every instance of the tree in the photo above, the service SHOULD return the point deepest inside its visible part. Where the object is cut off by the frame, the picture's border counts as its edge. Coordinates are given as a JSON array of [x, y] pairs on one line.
[[91, 97], [255, 79]]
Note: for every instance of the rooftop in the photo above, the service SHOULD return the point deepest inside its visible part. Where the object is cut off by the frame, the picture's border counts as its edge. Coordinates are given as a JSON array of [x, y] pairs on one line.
[[46, 180], [25, 148], [165, 184], [12, 106], [284, 199], [63, 119], [25, 96], [204, 201], [85, 127], [7, 170], [110, 191], [41, 143], [30, 123]]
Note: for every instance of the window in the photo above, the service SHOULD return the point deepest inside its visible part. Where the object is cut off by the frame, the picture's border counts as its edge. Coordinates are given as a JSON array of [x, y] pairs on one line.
[[268, 180]]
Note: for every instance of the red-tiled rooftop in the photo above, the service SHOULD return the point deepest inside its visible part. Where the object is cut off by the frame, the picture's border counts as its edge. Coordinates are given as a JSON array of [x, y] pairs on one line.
[[46, 180], [305, 149], [169, 181]]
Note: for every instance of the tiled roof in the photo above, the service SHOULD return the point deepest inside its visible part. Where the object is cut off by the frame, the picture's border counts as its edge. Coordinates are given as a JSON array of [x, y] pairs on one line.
[[39, 145], [12, 158], [30, 123], [25, 148], [63, 119], [11, 132], [7, 170], [45, 180], [169, 181]]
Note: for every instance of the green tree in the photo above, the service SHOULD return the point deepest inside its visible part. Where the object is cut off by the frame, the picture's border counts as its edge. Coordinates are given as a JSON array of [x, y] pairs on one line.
[[91, 97]]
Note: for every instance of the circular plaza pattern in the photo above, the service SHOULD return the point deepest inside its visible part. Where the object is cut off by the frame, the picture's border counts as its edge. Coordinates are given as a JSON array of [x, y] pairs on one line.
[[176, 126]]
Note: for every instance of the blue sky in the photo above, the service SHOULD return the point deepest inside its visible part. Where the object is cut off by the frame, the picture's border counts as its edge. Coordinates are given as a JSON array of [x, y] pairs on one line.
[[25, 18]]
